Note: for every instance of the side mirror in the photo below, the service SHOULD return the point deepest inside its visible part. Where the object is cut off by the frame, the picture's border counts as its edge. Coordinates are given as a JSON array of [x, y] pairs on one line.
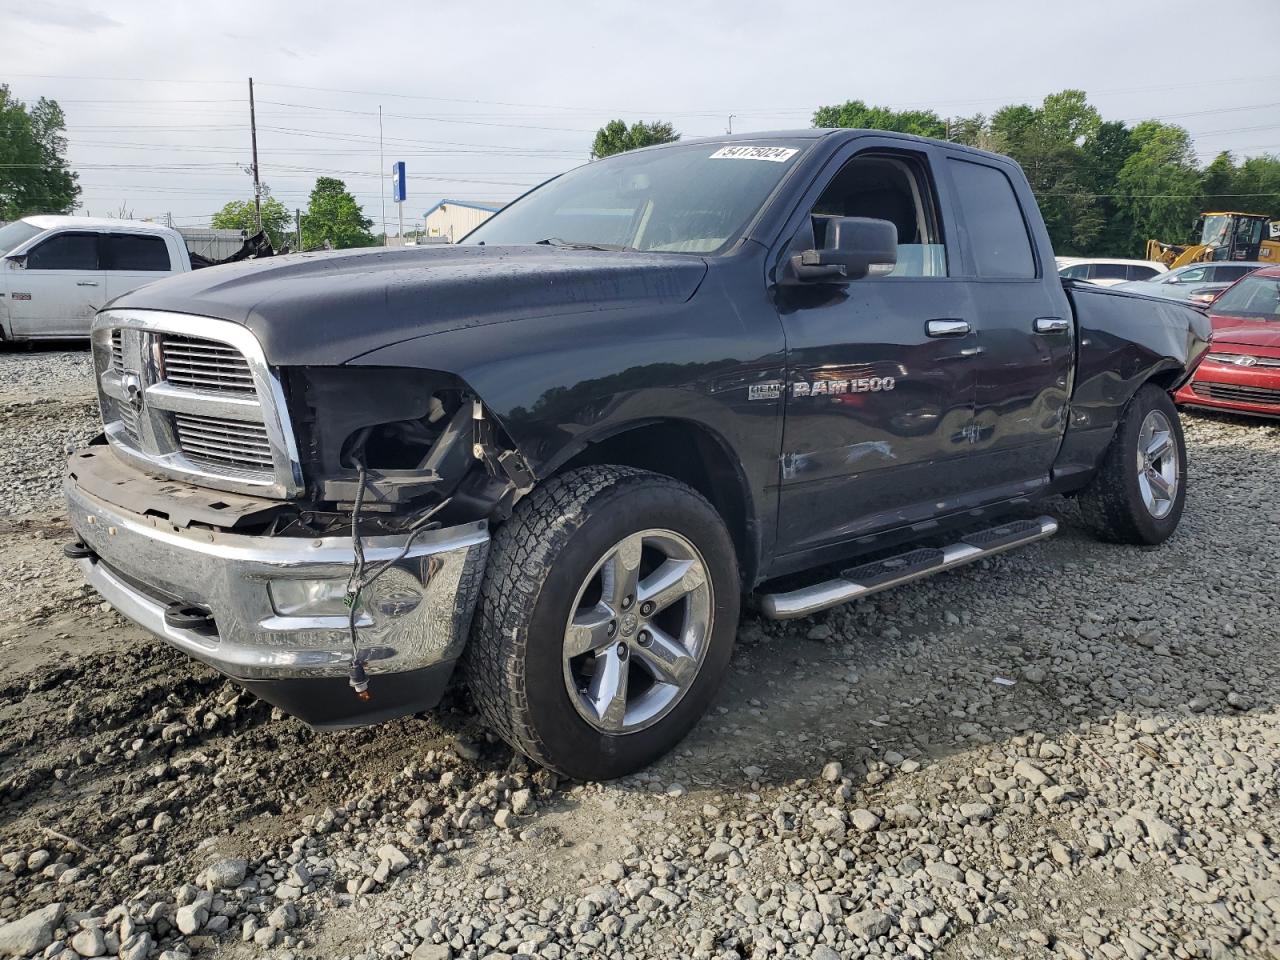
[[19, 260], [855, 247]]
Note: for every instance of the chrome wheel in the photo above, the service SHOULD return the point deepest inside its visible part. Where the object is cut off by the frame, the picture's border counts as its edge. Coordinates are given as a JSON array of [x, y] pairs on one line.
[[638, 631], [1158, 469]]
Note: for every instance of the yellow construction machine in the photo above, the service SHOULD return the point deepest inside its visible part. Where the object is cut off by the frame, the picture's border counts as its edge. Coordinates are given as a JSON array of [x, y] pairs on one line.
[[1228, 235]]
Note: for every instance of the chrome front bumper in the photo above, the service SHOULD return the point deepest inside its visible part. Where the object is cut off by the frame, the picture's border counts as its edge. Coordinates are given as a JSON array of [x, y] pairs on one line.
[[143, 564]]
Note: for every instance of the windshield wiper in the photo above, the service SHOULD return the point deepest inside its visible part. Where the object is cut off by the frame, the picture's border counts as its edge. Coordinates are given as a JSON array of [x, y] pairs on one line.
[[575, 245]]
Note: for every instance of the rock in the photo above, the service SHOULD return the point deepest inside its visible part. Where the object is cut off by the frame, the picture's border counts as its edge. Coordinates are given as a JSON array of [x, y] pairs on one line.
[[191, 918], [869, 924], [935, 924], [395, 858], [432, 951], [613, 871], [1191, 873], [137, 947], [864, 820], [944, 871], [823, 952], [31, 933], [89, 943], [832, 772], [718, 852], [503, 819], [976, 811], [1031, 773], [521, 802], [225, 874]]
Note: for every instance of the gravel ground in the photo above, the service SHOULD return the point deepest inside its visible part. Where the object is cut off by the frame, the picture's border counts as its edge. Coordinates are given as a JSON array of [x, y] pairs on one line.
[[1065, 751]]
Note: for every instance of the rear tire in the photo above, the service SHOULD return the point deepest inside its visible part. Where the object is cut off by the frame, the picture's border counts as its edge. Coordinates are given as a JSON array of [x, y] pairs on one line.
[[605, 622], [1139, 492]]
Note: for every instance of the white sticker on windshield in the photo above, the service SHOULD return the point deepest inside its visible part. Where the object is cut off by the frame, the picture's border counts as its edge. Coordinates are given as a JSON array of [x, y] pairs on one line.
[[745, 152]]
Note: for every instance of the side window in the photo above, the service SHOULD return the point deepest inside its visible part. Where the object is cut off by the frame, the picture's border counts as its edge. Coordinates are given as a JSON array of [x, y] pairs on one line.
[[1077, 271], [1109, 271], [1194, 275], [1142, 273], [894, 188], [131, 251], [1227, 274], [65, 251], [998, 239]]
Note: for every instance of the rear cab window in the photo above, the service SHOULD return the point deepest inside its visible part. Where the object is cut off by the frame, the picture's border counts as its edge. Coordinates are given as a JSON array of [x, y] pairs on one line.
[[992, 221], [136, 252]]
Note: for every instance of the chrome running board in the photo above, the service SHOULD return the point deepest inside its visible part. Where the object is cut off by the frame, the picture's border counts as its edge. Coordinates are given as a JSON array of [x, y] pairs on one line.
[[869, 578]]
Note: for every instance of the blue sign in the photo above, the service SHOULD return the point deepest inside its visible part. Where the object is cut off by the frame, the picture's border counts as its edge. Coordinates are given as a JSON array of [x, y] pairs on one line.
[[397, 181]]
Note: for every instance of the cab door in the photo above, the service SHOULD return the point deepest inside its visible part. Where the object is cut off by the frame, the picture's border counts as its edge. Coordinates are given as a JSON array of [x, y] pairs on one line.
[[59, 289], [1024, 327], [131, 260], [880, 389]]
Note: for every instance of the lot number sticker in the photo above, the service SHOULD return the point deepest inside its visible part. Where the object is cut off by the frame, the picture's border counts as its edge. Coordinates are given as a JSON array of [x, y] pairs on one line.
[[772, 154]]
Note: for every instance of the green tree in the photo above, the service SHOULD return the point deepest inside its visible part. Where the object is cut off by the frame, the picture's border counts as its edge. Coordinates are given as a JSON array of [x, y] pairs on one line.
[[616, 137], [240, 215], [1159, 182], [1051, 144], [334, 215], [855, 113], [34, 176]]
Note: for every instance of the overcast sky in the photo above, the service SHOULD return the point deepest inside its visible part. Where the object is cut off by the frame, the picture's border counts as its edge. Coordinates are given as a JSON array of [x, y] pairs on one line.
[[484, 98]]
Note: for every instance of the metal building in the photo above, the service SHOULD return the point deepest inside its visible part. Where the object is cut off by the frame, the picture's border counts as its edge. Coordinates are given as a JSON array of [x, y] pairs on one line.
[[451, 220]]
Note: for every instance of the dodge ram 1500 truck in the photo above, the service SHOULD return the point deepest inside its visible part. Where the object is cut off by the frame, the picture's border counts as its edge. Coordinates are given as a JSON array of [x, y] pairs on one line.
[[795, 368]]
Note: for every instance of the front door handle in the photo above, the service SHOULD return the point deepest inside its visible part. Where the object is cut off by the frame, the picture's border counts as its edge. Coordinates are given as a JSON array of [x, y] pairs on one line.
[[1051, 325], [86, 283], [947, 328]]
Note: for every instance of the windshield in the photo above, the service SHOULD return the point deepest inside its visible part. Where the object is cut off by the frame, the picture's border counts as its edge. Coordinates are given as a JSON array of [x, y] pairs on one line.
[[1216, 231], [16, 234], [1256, 298], [694, 198]]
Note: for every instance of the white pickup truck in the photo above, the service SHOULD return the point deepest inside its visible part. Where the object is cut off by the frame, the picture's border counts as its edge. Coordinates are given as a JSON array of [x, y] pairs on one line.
[[57, 272]]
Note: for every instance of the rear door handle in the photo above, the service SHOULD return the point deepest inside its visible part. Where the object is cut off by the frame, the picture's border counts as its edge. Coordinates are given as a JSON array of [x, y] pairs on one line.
[[86, 283], [1051, 325], [947, 328]]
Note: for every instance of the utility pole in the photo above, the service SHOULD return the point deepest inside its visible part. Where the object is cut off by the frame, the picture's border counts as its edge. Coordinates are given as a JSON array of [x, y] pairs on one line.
[[297, 225], [730, 130], [382, 177], [253, 133]]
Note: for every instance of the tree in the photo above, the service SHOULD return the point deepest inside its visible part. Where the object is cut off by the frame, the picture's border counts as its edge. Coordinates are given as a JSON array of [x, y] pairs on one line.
[[34, 176], [616, 137], [1159, 182], [240, 215], [855, 113], [333, 215]]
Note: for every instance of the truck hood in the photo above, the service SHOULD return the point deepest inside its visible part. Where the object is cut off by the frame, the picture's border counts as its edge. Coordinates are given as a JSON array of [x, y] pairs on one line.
[[323, 309], [1248, 333]]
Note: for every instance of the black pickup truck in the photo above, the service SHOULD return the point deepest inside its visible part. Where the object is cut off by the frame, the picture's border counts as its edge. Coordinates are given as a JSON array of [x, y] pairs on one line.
[[791, 369]]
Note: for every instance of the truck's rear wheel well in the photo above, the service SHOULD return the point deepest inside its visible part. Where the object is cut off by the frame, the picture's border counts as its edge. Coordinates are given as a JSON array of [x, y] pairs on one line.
[[1166, 379], [692, 455]]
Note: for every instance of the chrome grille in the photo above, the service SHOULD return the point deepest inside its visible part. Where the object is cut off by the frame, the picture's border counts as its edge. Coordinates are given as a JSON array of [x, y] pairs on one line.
[[224, 443], [204, 365], [1250, 361], [193, 398], [128, 415]]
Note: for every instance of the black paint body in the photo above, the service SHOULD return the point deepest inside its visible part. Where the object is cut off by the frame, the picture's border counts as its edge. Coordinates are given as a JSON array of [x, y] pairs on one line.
[[567, 348]]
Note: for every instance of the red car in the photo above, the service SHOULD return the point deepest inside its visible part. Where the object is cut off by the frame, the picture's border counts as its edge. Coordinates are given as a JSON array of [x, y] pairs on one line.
[[1241, 371]]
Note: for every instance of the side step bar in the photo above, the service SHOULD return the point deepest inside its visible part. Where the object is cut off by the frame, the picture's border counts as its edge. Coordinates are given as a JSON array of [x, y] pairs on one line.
[[869, 578]]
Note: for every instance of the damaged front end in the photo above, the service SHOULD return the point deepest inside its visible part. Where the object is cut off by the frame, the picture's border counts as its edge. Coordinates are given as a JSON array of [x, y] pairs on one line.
[[361, 575]]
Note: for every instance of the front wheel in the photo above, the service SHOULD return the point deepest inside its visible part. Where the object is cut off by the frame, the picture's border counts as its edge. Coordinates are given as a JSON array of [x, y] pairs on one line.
[[605, 622], [1139, 492]]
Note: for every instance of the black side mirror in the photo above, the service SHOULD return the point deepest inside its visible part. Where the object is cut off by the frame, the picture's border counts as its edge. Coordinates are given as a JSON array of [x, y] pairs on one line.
[[855, 247]]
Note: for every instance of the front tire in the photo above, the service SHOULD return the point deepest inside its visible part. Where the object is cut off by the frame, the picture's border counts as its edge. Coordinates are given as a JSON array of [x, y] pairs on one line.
[[606, 620], [1138, 494]]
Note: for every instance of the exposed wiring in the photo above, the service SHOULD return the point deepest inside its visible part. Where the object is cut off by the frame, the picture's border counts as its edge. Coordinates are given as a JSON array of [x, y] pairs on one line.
[[358, 582]]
